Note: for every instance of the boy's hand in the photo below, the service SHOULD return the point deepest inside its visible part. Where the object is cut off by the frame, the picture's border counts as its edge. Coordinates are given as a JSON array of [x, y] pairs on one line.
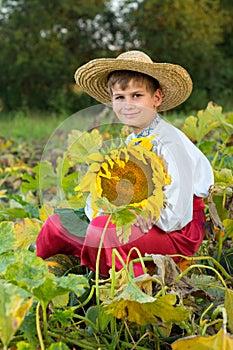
[[145, 225]]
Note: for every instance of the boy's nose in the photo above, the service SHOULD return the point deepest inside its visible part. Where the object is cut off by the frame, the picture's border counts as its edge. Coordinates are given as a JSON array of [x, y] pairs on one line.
[[129, 103]]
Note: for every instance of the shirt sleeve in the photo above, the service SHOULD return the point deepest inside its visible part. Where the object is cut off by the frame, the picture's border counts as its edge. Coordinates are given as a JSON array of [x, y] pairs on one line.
[[191, 174]]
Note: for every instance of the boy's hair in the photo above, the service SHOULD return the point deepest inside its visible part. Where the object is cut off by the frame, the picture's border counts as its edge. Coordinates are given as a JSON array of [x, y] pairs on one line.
[[123, 77]]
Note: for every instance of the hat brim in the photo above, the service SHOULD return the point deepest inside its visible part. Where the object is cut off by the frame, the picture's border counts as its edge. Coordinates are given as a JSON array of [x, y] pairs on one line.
[[174, 80]]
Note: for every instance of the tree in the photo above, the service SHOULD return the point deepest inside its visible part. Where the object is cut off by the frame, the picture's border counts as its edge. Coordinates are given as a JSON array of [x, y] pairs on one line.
[[187, 32], [42, 43]]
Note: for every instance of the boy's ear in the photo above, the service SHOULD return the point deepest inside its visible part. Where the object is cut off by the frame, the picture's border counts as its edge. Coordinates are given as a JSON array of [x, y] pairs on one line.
[[158, 97]]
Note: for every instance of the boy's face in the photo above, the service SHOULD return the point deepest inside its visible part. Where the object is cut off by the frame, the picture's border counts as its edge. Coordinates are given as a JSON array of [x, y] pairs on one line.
[[135, 106]]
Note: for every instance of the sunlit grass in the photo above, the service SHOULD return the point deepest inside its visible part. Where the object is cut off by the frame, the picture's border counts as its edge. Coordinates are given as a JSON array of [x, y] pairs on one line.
[[36, 127], [29, 127]]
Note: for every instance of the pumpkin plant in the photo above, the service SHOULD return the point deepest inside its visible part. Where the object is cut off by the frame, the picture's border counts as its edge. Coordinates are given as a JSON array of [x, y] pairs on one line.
[[166, 307]]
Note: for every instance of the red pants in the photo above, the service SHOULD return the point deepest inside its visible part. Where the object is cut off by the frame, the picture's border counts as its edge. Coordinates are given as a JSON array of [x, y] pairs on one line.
[[54, 239]]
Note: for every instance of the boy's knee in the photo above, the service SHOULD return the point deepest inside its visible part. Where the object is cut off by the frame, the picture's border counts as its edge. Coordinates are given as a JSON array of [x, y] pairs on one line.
[[96, 229]]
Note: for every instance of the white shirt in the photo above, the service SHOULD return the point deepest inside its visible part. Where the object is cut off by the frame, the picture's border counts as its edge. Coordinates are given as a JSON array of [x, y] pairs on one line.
[[190, 171]]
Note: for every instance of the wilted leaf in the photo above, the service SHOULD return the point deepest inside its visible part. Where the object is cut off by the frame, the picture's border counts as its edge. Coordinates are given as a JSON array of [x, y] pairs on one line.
[[143, 309], [144, 282], [26, 232], [133, 304], [6, 236], [219, 341], [13, 308], [166, 270], [213, 210]]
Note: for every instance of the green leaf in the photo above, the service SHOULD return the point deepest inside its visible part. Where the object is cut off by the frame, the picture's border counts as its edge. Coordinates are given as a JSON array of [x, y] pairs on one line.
[[13, 308], [123, 219], [196, 128], [98, 316], [28, 328], [22, 345], [74, 221], [43, 179], [53, 287], [223, 177], [59, 346], [81, 144], [27, 270], [5, 260], [31, 273], [6, 236]]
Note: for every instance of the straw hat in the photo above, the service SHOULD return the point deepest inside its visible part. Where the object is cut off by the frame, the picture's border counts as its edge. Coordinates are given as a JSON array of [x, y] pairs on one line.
[[174, 80]]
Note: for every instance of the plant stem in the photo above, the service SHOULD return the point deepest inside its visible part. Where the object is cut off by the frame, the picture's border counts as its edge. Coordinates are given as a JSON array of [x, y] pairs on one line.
[[38, 326], [86, 301], [45, 325], [98, 260], [202, 267], [132, 261], [220, 242], [82, 343], [198, 258]]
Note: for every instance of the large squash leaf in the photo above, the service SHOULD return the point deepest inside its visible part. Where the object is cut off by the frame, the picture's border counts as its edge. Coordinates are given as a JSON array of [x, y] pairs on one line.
[[198, 127], [6, 236], [26, 232], [13, 307]]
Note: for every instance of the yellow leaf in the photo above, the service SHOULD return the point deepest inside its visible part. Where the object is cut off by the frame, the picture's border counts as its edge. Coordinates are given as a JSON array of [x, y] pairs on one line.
[[219, 341], [228, 304], [94, 167], [13, 308], [45, 211], [96, 157], [87, 182], [143, 309], [26, 232], [3, 193]]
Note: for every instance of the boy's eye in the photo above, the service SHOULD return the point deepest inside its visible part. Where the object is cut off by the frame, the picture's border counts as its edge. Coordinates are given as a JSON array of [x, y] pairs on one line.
[[137, 95], [119, 97]]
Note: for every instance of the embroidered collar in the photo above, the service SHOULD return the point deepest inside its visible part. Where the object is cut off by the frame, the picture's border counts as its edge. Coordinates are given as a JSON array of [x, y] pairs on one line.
[[147, 131]]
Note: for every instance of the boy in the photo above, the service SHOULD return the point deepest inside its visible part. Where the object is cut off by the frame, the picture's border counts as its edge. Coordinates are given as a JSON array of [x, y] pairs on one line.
[[138, 89]]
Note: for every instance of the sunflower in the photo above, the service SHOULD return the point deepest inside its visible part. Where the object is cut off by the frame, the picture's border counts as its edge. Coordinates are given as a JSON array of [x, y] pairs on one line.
[[131, 176]]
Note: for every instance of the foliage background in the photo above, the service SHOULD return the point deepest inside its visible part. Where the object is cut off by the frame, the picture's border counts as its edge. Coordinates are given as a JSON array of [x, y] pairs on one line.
[[42, 43]]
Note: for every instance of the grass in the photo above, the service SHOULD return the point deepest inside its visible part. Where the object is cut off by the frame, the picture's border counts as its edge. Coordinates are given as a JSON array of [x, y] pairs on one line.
[[30, 127], [37, 127]]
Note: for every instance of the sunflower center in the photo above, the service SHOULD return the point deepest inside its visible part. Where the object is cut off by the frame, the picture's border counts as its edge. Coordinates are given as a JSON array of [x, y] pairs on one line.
[[129, 184]]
